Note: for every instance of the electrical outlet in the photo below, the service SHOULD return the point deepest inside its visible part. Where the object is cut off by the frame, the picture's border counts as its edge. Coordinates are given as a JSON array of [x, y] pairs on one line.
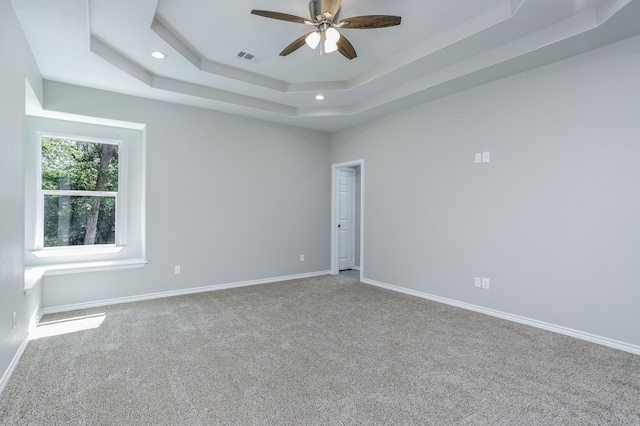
[[485, 283], [177, 270], [486, 157], [478, 282], [13, 321], [302, 258]]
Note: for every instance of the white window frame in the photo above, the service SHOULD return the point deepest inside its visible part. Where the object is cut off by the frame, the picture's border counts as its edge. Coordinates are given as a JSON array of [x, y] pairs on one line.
[[120, 196]]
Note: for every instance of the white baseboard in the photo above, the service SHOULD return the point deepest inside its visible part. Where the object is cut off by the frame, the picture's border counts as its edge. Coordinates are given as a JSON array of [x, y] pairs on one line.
[[616, 344], [7, 374], [149, 296]]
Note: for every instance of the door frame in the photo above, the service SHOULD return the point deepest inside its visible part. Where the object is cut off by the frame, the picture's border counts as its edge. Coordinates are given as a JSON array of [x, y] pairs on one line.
[[334, 213]]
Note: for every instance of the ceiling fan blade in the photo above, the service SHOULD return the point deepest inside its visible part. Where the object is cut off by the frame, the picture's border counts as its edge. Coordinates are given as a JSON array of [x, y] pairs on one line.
[[281, 16], [297, 44], [369, 21], [346, 48], [331, 6]]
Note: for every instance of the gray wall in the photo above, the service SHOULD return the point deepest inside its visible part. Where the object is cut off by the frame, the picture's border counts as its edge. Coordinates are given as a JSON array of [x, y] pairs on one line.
[[17, 65], [552, 220], [228, 199]]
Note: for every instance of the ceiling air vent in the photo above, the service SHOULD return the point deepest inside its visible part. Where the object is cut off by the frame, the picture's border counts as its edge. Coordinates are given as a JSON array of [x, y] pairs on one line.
[[249, 57]]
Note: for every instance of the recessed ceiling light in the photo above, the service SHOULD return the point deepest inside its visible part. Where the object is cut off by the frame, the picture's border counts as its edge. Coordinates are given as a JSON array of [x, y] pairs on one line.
[[158, 54], [319, 97]]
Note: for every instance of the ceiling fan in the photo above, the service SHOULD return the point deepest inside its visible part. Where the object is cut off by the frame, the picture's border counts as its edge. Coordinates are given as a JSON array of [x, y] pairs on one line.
[[324, 16]]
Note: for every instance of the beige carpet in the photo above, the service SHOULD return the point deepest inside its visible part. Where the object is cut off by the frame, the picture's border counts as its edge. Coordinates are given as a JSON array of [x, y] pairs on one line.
[[326, 350]]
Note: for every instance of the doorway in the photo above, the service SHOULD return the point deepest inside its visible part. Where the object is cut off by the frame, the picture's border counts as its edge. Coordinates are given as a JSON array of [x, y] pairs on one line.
[[347, 217]]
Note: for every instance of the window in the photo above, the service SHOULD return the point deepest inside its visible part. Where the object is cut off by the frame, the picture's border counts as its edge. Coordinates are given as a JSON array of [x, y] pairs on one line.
[[84, 196], [79, 192]]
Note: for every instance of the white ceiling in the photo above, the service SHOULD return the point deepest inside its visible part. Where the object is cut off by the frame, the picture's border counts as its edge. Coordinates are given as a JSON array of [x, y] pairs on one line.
[[441, 47]]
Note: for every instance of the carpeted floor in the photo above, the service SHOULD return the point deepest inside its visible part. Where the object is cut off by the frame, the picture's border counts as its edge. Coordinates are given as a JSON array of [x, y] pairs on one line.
[[327, 350]]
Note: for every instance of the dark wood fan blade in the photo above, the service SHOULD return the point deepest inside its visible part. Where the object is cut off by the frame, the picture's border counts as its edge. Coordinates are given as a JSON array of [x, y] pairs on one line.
[[297, 44], [346, 48], [331, 6], [281, 16], [370, 21]]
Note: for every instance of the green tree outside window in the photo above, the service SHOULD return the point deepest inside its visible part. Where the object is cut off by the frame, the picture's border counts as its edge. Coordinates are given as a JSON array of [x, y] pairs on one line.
[[80, 187]]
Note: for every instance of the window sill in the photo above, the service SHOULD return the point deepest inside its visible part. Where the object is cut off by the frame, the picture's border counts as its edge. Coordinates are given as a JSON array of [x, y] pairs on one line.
[[33, 275], [76, 251]]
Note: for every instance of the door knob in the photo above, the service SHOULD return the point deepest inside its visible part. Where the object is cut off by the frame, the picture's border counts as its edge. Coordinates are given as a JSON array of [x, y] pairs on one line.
[[338, 226]]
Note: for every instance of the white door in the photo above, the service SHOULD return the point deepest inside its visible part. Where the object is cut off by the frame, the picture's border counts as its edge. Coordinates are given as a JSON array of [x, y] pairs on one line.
[[346, 218]]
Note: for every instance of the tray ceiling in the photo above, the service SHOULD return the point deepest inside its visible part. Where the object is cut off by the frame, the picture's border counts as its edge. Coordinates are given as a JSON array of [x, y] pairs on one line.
[[440, 48]]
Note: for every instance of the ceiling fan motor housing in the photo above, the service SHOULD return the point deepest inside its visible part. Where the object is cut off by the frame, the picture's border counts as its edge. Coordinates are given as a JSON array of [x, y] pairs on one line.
[[315, 9]]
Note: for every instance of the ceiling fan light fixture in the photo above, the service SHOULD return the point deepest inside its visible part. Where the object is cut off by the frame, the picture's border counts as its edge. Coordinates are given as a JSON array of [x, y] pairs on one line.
[[330, 46], [332, 35], [312, 40]]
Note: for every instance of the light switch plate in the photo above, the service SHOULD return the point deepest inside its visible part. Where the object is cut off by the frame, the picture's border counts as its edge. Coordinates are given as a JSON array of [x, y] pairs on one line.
[[486, 157], [478, 282], [478, 157]]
